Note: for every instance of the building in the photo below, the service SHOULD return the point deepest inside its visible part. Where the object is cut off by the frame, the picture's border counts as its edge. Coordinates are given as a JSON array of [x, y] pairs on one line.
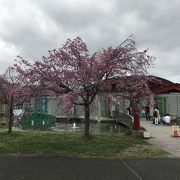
[[166, 96], [99, 109]]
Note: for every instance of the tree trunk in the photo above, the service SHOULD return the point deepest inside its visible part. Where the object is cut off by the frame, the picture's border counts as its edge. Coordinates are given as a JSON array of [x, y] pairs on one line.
[[136, 121], [10, 120], [87, 119]]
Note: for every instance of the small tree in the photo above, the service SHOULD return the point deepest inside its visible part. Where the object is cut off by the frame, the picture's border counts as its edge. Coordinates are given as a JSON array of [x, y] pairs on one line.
[[79, 76], [136, 88], [12, 92]]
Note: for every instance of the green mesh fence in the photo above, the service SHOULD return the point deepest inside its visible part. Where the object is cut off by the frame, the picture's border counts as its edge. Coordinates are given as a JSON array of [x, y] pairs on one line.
[[37, 121]]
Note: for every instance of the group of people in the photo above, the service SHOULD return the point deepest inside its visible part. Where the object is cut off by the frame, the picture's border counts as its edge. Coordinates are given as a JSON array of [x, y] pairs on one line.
[[166, 120]]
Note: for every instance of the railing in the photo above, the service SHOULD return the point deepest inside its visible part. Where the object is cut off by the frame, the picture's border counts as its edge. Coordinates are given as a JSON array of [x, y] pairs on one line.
[[124, 119]]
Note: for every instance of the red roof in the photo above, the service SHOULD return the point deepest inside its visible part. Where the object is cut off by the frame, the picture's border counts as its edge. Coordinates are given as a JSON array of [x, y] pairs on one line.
[[166, 89]]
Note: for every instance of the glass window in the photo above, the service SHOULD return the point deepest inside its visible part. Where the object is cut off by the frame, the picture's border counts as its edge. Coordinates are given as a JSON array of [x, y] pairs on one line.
[[41, 105]]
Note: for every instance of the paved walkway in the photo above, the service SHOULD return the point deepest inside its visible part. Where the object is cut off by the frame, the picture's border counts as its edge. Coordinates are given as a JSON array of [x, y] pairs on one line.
[[161, 137]]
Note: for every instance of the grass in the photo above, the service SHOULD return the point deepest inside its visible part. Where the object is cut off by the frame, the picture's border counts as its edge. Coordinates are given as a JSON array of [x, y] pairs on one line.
[[47, 143]]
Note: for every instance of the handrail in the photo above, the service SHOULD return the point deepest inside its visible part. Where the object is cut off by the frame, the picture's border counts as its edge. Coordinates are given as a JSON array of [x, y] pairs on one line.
[[124, 119]]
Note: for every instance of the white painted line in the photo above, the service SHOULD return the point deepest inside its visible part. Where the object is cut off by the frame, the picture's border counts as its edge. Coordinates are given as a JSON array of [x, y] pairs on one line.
[[132, 170]]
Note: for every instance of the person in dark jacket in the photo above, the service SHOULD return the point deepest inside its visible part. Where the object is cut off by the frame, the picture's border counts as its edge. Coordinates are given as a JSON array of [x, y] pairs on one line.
[[147, 111]]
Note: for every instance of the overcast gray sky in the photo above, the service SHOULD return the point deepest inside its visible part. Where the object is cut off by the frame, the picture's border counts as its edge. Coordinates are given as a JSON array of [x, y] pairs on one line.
[[32, 27]]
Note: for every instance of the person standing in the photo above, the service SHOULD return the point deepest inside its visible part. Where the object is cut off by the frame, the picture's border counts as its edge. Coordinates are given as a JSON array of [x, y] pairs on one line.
[[147, 112], [156, 116]]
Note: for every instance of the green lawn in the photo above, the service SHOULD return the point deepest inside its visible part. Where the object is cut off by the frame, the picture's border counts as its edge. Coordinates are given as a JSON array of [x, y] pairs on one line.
[[47, 143]]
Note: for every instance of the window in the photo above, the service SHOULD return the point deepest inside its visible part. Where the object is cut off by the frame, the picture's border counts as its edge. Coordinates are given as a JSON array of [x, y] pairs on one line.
[[41, 105], [19, 106]]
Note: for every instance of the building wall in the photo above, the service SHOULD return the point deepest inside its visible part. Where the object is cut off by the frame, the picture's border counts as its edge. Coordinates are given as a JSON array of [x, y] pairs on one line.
[[162, 103], [3, 109], [99, 110], [174, 104], [169, 103], [4, 112]]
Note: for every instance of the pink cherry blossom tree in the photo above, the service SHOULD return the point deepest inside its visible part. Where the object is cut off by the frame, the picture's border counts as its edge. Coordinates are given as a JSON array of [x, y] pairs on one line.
[[135, 88], [12, 92], [79, 76]]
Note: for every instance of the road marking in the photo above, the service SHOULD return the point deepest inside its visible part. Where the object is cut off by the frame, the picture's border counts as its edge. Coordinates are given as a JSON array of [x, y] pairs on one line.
[[132, 170]]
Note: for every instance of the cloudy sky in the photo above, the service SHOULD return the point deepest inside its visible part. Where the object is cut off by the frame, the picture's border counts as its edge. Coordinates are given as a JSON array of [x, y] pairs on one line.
[[32, 27]]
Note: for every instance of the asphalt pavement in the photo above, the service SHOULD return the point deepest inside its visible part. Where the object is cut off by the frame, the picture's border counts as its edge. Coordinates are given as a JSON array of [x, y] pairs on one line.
[[66, 168]]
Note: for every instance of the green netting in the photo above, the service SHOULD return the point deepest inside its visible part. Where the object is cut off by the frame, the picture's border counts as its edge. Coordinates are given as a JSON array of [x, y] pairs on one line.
[[37, 121]]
